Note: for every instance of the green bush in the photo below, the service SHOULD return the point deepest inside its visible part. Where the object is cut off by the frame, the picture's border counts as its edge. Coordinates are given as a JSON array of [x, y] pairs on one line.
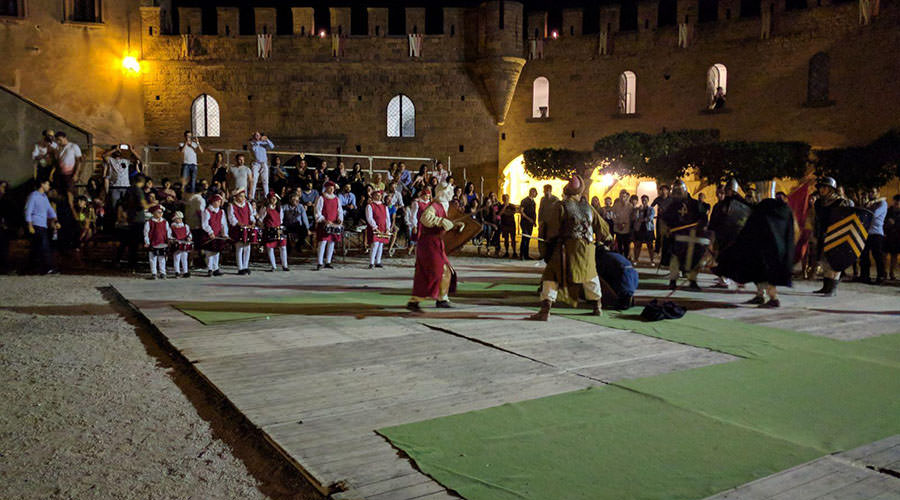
[[551, 163]]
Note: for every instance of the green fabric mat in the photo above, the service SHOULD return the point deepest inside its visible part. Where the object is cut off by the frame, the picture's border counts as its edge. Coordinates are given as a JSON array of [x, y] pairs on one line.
[[683, 435]]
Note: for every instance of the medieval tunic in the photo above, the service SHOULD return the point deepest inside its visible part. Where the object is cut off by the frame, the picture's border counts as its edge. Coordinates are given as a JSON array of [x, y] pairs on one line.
[[157, 233], [571, 229], [213, 223], [431, 259], [180, 232], [271, 219], [328, 210], [240, 216], [377, 219], [421, 206]]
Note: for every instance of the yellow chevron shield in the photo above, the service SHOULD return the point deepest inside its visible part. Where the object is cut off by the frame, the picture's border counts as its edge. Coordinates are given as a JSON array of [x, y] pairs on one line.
[[846, 236]]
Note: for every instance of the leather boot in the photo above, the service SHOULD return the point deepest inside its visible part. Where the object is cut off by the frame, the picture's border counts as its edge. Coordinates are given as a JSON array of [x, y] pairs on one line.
[[831, 286], [825, 286], [595, 310], [543, 314]]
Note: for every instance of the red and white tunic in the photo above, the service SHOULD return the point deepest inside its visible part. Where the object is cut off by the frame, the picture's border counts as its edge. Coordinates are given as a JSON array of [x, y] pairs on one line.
[[378, 220], [271, 220], [240, 216], [328, 210], [180, 232], [421, 206], [213, 226], [157, 233]]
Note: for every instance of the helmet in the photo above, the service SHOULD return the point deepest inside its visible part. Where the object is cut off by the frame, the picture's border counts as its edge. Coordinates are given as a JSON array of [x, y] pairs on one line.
[[679, 187], [826, 181], [732, 185]]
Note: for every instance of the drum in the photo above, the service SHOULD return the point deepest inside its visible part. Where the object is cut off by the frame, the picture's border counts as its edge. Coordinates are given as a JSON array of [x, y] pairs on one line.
[[275, 234], [248, 235], [159, 251], [334, 229], [214, 244], [183, 246]]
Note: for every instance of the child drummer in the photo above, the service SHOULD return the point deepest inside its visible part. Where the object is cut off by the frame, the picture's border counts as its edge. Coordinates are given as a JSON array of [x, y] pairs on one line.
[[156, 238], [181, 236], [242, 218], [215, 232], [329, 224], [379, 228], [270, 216]]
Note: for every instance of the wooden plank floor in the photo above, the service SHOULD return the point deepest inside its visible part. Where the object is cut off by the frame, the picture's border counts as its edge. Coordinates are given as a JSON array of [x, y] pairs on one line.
[[851, 475], [318, 386]]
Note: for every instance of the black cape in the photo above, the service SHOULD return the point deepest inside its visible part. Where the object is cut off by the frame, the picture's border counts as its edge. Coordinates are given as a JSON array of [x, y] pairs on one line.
[[764, 249]]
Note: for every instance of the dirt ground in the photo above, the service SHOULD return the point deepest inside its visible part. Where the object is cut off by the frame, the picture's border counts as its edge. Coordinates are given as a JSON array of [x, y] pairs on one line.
[[92, 407]]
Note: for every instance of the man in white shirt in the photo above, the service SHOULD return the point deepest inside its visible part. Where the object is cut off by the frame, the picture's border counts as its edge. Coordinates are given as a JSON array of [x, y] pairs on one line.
[[189, 149], [239, 175], [69, 166], [44, 155], [260, 163], [117, 164]]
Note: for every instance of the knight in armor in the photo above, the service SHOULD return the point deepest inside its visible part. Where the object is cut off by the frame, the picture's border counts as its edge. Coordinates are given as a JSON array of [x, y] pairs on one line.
[[763, 251], [572, 230], [829, 199], [434, 277], [727, 218], [685, 243]]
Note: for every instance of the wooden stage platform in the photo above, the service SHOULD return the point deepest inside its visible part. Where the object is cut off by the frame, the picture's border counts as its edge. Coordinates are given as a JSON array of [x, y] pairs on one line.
[[318, 385]]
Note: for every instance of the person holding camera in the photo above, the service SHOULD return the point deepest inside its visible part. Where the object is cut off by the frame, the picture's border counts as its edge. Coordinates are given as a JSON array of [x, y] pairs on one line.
[[260, 164], [189, 149]]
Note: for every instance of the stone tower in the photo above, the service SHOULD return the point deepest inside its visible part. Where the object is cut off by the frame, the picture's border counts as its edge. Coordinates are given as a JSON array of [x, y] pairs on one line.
[[497, 50]]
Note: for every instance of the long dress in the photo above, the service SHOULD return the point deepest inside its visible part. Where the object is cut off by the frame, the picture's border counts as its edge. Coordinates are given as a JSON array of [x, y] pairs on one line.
[[430, 258]]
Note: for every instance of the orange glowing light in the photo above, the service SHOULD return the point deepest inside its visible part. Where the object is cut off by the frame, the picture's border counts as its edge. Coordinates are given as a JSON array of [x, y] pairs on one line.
[[131, 63], [322, 34], [554, 34]]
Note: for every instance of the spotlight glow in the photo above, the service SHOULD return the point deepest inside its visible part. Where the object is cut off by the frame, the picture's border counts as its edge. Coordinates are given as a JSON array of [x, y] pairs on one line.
[[322, 34], [554, 34], [131, 63]]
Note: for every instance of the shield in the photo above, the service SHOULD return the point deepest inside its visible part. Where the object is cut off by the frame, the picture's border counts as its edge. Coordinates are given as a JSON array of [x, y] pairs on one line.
[[727, 219], [845, 236], [456, 238], [689, 245]]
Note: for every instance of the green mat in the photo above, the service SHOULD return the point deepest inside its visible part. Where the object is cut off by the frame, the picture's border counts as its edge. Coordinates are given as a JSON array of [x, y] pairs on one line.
[[683, 435]]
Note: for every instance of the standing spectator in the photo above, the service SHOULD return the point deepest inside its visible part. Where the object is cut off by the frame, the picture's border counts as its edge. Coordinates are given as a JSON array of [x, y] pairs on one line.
[[527, 221], [507, 214], [219, 171], [193, 218], [643, 229], [544, 208], [39, 219], [404, 175], [660, 203], [892, 234], [44, 155], [6, 215], [133, 211], [875, 242], [607, 213], [440, 172], [239, 175], [69, 166], [86, 219], [623, 211], [189, 149], [258, 145]]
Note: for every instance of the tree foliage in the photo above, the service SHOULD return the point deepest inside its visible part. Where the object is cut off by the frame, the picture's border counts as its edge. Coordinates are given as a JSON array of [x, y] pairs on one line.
[[551, 163], [650, 155], [862, 168]]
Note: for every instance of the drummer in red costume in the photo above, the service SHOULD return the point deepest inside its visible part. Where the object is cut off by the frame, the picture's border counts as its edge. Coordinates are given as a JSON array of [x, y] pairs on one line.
[[274, 235], [434, 277], [215, 233], [243, 224], [181, 233], [156, 238], [329, 217], [379, 228]]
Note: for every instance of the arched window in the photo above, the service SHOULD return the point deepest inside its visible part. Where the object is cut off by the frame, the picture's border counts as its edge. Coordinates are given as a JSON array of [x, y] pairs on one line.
[[205, 116], [817, 84], [627, 93], [401, 117], [540, 101], [716, 77]]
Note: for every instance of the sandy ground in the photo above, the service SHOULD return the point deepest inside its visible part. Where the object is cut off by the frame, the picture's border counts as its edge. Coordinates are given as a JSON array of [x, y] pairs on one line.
[[92, 407]]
